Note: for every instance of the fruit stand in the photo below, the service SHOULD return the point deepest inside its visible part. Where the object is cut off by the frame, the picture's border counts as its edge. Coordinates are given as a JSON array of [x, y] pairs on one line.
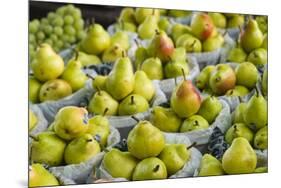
[[128, 94]]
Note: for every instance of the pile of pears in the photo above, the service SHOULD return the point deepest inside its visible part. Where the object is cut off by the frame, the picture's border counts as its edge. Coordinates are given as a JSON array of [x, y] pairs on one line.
[[149, 157], [72, 138], [223, 79], [123, 92]]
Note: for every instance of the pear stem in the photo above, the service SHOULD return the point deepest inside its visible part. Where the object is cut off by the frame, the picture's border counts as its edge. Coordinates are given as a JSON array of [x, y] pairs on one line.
[[257, 91], [123, 53], [33, 137], [156, 168], [225, 32], [132, 100], [137, 42], [183, 74], [235, 127], [135, 118], [176, 83], [196, 123], [240, 99], [89, 76], [157, 32], [76, 54], [105, 111], [122, 24], [153, 12], [193, 144]]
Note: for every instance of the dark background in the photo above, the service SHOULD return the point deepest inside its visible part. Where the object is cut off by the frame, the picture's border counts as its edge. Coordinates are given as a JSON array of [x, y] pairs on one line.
[[104, 15]]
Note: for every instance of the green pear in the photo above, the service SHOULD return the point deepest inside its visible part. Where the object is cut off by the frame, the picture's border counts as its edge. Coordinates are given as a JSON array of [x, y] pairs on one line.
[[96, 41], [120, 81], [222, 79], [202, 80], [47, 148], [126, 26], [119, 164], [179, 13], [143, 85], [262, 23], [202, 26], [142, 13], [178, 55], [150, 168], [98, 82], [258, 57], [218, 19], [147, 28], [101, 101], [239, 113], [140, 56], [99, 126], [121, 38], [261, 170], [112, 53], [33, 89], [264, 82], [165, 119], [238, 91], [239, 158], [39, 176], [163, 12], [175, 156], [71, 122], [210, 108], [239, 130], [54, 90], [255, 115], [237, 55], [247, 74], [265, 42], [190, 43], [210, 166], [81, 149], [133, 104], [174, 69], [153, 68], [127, 15], [236, 21], [88, 59], [185, 99], [193, 123], [74, 75], [260, 140], [213, 43], [33, 120], [145, 140], [178, 30], [252, 37], [161, 46], [47, 65], [164, 24]]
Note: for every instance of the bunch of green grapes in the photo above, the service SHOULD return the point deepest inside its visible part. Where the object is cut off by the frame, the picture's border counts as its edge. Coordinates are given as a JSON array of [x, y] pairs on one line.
[[60, 29]]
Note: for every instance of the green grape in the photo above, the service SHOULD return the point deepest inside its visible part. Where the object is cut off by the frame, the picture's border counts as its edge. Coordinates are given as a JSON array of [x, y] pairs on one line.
[[64, 38], [31, 47], [69, 9], [32, 54], [72, 39], [58, 30], [68, 20], [51, 16], [40, 35], [48, 29], [54, 37], [59, 43], [61, 11], [76, 13], [44, 21], [32, 38], [78, 24], [81, 34], [66, 45], [57, 21], [33, 26], [49, 41], [56, 48], [69, 30]]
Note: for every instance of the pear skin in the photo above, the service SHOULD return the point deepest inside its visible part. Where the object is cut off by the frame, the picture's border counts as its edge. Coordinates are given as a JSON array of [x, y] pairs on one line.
[[238, 91], [210, 166], [218, 19], [210, 108], [39, 176], [258, 57], [202, 80], [261, 138], [239, 130], [133, 104], [202, 26], [143, 85], [142, 13], [213, 43], [246, 75], [128, 15], [98, 82], [121, 38], [237, 55], [153, 68], [33, 89], [239, 113], [193, 123], [111, 54], [32, 120], [147, 28]]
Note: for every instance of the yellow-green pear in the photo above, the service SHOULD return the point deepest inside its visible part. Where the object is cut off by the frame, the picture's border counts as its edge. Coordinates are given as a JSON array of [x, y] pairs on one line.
[[239, 130], [175, 156], [264, 83], [74, 75], [210, 166], [101, 101], [213, 43], [39, 176], [261, 170], [133, 104], [121, 38], [179, 13], [32, 120], [237, 55], [193, 123], [143, 85], [54, 90], [119, 164], [239, 158], [47, 65], [190, 43], [202, 26], [258, 57], [145, 140], [178, 30], [71, 122], [246, 75], [261, 137], [218, 19], [147, 28], [98, 82], [111, 54], [47, 148], [81, 149], [238, 91], [210, 108], [151, 168], [127, 15], [153, 68], [236, 21], [33, 89], [202, 80], [142, 13], [239, 113], [120, 81], [165, 119], [88, 59]]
